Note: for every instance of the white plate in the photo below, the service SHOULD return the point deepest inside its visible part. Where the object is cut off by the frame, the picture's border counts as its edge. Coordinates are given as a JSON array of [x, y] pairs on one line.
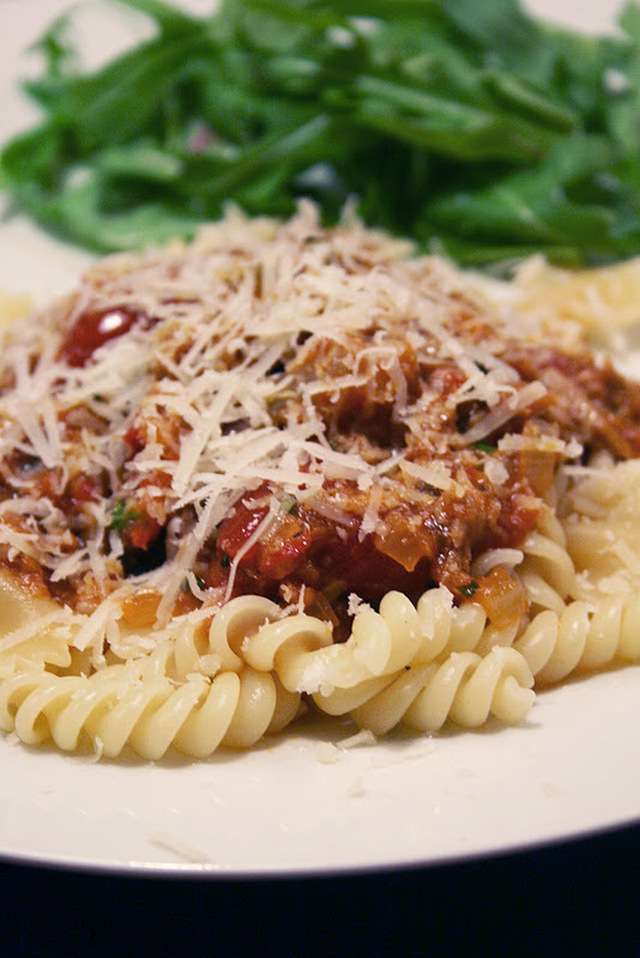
[[571, 769]]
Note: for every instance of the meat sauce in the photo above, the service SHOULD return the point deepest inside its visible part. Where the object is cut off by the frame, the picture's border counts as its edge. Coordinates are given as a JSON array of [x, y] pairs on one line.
[[420, 536], [304, 549], [310, 551], [589, 402], [417, 543]]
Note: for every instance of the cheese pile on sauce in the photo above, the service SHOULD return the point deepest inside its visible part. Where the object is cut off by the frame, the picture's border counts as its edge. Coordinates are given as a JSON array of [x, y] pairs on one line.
[[283, 410]]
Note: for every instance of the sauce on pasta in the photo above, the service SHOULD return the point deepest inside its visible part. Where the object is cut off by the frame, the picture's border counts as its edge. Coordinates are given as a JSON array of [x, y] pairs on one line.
[[381, 386], [287, 464]]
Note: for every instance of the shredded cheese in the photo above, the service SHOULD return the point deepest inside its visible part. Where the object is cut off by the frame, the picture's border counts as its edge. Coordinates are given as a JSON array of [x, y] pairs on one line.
[[243, 351]]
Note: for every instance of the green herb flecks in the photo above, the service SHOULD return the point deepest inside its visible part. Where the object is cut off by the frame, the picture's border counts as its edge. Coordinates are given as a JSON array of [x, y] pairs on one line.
[[122, 515], [289, 504], [198, 582], [484, 447], [469, 589]]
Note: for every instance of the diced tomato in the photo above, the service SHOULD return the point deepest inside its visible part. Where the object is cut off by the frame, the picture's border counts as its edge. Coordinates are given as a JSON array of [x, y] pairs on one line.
[[515, 522], [370, 573], [92, 330], [279, 557], [47, 484], [238, 527], [84, 489], [140, 531], [277, 553], [134, 438], [305, 547]]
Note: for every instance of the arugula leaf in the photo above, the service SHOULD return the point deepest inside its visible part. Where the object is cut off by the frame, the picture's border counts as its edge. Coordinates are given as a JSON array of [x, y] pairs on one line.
[[169, 18], [488, 134], [563, 203]]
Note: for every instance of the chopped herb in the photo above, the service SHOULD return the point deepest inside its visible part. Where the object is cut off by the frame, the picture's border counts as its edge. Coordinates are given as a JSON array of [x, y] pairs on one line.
[[484, 447], [225, 561], [121, 516], [289, 504], [470, 589]]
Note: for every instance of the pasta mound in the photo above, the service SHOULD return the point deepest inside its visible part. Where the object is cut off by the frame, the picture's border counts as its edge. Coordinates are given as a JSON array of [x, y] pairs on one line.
[[286, 466]]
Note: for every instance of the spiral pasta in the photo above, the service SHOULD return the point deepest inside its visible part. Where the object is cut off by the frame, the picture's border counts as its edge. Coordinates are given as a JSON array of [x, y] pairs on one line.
[[226, 677], [380, 642], [34, 632], [464, 687], [547, 571], [121, 705], [570, 626], [268, 641], [229, 678], [43, 643], [287, 467], [601, 520], [582, 637]]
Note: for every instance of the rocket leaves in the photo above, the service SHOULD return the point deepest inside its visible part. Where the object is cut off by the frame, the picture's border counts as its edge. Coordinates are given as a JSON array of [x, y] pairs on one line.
[[487, 136]]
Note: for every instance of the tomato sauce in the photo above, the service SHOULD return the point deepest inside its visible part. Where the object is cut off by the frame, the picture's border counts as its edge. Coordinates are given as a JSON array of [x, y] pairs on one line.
[[308, 549]]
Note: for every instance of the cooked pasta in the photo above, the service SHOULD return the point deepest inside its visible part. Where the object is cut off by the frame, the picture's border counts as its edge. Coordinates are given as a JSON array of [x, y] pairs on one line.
[[547, 570], [286, 468], [380, 643], [116, 706], [44, 642], [582, 637], [462, 686]]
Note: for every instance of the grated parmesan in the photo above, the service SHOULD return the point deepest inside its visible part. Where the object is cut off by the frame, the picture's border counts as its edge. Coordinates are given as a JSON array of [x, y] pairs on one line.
[[250, 350]]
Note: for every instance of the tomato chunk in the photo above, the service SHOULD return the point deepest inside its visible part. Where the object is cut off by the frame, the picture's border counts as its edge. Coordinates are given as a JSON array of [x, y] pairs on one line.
[[92, 330]]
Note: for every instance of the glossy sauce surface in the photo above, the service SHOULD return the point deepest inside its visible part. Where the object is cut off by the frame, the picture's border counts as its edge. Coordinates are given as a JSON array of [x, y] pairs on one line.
[[92, 330]]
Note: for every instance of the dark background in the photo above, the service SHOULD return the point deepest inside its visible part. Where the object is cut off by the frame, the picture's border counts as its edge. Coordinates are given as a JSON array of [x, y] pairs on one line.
[[576, 898]]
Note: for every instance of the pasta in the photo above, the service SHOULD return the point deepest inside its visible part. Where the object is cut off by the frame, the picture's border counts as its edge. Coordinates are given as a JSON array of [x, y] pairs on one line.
[[547, 570], [117, 705], [465, 687], [380, 644], [288, 468], [581, 637]]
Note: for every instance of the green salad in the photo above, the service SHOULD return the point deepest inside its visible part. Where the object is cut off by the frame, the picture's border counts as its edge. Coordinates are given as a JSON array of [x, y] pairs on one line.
[[476, 129]]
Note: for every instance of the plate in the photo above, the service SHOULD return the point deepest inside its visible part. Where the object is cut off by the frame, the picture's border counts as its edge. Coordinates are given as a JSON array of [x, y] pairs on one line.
[[304, 803]]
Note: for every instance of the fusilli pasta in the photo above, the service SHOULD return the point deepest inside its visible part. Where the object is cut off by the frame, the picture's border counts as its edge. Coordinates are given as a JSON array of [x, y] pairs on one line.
[[120, 705], [463, 686], [287, 467]]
